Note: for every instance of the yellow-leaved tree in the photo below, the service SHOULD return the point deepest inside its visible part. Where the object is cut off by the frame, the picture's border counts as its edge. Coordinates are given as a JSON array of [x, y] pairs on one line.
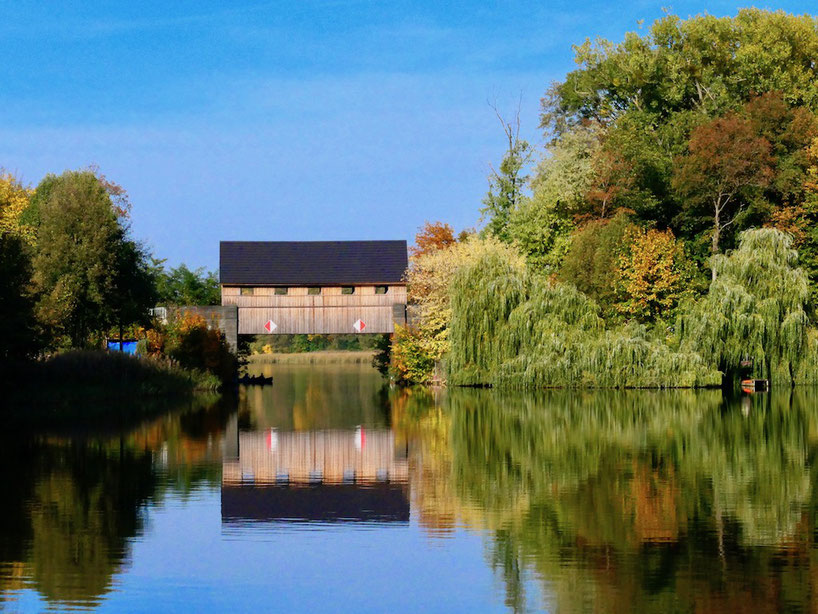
[[14, 198], [652, 273]]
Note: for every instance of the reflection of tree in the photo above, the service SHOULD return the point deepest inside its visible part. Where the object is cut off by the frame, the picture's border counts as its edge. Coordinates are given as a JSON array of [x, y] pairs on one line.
[[71, 506], [661, 501], [84, 507], [79, 503]]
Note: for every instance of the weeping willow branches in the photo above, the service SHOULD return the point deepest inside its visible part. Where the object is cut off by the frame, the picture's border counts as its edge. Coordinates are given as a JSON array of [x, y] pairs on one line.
[[755, 310], [516, 329], [513, 328]]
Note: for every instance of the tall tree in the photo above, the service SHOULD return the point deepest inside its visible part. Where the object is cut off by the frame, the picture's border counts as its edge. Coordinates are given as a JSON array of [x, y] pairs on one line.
[[727, 161], [18, 327], [507, 184], [80, 243], [134, 285]]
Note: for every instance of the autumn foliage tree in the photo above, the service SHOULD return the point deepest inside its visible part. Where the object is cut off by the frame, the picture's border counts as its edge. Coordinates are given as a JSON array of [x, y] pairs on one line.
[[19, 333], [432, 236], [651, 274], [727, 162], [611, 179], [14, 199]]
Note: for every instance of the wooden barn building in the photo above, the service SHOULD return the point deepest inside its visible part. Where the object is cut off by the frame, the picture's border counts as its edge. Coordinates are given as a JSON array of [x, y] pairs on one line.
[[314, 287]]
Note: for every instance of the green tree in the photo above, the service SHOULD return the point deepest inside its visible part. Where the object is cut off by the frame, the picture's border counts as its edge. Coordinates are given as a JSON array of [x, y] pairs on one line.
[[705, 64], [81, 249], [134, 284], [755, 309], [19, 335], [184, 286], [592, 261], [540, 226]]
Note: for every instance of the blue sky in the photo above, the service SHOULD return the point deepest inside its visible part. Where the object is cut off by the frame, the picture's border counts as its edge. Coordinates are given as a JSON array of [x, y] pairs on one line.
[[287, 120]]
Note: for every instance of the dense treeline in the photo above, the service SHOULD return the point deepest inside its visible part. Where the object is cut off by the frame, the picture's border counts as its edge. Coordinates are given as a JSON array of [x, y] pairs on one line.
[[72, 275], [666, 235]]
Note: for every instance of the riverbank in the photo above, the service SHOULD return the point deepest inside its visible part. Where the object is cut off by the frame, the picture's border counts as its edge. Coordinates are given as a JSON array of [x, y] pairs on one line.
[[95, 385], [322, 357]]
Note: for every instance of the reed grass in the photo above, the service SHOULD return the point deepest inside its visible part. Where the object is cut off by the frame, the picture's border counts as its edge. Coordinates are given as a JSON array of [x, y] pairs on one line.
[[328, 357], [100, 372]]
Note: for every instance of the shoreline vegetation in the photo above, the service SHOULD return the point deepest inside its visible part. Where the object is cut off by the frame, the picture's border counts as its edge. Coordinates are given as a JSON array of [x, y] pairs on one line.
[[82, 385], [665, 235], [97, 386], [72, 277]]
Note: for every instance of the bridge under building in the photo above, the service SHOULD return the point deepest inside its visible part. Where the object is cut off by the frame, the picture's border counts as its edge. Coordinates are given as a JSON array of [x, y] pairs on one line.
[[312, 287]]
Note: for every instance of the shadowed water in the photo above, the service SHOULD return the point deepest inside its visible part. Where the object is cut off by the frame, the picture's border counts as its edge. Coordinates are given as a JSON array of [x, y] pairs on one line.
[[330, 492]]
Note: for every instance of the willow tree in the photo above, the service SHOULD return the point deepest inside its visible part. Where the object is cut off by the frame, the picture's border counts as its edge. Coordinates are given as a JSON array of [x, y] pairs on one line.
[[417, 349], [483, 295], [755, 310], [512, 328]]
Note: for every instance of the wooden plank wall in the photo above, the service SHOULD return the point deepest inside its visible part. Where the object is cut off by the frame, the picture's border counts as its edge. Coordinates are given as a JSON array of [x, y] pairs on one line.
[[330, 312], [316, 456]]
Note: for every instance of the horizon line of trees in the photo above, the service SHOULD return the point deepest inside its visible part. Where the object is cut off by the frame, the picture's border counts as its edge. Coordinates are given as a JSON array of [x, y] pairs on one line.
[[70, 271], [671, 214]]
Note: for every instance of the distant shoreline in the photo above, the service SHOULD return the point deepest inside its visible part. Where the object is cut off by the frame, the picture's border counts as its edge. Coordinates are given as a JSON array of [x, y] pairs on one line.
[[319, 357]]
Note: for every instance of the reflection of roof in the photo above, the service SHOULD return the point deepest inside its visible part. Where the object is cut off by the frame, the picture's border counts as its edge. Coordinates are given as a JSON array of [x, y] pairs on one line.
[[305, 263], [338, 503]]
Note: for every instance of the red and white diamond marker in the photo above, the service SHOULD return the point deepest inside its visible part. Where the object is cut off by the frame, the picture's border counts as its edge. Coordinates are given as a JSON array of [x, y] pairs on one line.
[[270, 326], [359, 326]]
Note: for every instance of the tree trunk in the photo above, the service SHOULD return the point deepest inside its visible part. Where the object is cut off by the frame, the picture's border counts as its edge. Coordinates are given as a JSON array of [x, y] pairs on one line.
[[714, 247]]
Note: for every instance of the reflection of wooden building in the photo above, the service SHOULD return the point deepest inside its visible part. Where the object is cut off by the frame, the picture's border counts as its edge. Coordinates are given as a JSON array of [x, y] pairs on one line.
[[315, 475], [309, 457], [314, 287]]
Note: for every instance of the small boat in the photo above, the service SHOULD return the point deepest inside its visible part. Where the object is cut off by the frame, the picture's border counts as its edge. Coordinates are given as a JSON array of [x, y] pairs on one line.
[[255, 380], [755, 385]]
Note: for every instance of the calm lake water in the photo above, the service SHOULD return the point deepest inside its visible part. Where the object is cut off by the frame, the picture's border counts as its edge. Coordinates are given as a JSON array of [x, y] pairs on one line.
[[329, 492]]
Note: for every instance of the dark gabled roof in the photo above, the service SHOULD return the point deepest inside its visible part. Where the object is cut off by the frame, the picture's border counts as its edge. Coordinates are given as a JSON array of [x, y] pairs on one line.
[[311, 263]]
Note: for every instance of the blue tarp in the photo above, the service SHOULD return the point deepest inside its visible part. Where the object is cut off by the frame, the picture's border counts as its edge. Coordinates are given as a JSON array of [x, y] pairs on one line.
[[129, 347]]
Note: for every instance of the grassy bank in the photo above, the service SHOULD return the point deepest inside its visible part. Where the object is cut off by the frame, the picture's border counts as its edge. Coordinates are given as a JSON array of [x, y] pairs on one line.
[[88, 385], [329, 357]]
